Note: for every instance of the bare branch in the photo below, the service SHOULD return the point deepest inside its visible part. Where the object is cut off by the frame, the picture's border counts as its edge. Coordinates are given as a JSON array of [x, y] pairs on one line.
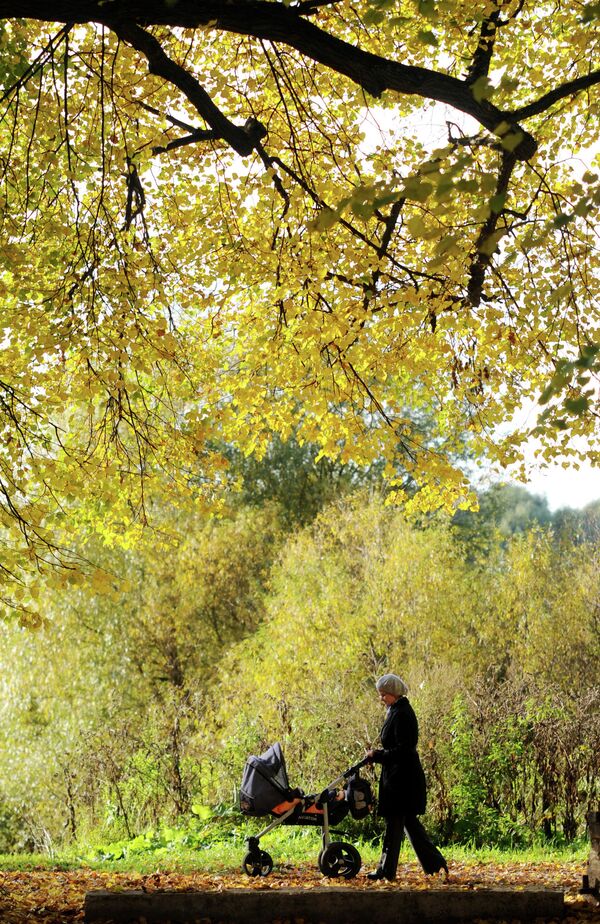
[[170, 118], [199, 134]]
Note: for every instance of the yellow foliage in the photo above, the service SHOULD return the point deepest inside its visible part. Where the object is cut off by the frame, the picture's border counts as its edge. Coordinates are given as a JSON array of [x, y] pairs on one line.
[[329, 269], [363, 592]]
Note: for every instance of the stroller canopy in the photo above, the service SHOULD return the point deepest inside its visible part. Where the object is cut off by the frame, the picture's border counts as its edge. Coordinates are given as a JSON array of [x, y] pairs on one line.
[[264, 782]]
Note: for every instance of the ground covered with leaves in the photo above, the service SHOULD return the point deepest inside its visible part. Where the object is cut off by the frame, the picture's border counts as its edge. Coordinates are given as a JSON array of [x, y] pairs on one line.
[[53, 896]]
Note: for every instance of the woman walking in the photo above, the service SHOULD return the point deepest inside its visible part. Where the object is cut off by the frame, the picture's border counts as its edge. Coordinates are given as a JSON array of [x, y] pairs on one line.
[[402, 790]]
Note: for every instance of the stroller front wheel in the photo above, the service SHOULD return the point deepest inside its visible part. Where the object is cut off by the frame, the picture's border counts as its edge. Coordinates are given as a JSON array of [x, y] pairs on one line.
[[257, 863], [339, 860]]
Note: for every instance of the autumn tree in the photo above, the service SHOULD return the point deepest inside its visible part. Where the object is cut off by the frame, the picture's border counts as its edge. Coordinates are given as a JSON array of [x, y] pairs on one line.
[[100, 703], [221, 222]]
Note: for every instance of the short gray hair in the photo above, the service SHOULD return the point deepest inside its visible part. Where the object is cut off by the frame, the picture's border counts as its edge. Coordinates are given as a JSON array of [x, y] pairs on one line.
[[391, 683]]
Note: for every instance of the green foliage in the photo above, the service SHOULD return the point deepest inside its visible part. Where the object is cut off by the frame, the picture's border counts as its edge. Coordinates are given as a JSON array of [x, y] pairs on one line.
[[362, 592], [468, 793], [288, 475], [11, 828], [301, 480], [105, 698], [222, 825], [521, 761], [131, 712], [571, 390], [504, 510]]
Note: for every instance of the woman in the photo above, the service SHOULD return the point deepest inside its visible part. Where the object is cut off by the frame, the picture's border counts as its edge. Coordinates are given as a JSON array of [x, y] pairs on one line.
[[402, 792]]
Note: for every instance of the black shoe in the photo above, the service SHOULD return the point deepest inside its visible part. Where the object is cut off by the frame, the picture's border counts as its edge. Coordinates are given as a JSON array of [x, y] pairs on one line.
[[442, 872], [376, 874]]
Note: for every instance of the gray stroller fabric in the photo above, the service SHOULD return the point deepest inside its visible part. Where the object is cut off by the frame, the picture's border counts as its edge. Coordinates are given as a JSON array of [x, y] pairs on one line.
[[264, 782]]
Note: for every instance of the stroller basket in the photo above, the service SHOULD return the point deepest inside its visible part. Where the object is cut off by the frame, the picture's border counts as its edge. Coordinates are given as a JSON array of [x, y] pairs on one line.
[[265, 790]]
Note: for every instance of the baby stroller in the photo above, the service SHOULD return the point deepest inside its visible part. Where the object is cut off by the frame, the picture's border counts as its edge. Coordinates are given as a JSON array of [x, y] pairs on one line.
[[265, 790]]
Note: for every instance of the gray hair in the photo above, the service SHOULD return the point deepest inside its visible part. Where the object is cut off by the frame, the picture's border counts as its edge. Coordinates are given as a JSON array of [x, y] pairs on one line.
[[391, 683]]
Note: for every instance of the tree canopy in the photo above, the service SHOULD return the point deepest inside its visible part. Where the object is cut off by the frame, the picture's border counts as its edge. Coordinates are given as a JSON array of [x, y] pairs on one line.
[[221, 222]]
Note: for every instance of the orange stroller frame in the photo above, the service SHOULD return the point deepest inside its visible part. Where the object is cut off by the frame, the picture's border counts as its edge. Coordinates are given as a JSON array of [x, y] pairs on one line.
[[265, 790]]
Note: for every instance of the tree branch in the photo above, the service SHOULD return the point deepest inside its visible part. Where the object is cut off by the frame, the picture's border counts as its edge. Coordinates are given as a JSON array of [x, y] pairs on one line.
[[40, 61], [242, 140], [486, 244], [308, 7], [197, 135], [170, 118], [480, 65], [274, 22], [548, 99]]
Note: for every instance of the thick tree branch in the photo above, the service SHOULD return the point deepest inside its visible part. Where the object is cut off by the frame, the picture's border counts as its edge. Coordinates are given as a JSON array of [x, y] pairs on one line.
[[482, 57], [308, 7], [272, 22], [486, 242], [241, 140], [480, 65], [548, 99]]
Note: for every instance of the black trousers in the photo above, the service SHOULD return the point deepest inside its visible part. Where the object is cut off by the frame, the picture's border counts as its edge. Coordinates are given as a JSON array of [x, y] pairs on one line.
[[427, 853]]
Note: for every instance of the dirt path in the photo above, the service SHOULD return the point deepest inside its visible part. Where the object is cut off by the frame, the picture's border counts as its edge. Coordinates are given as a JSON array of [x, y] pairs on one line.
[[56, 897]]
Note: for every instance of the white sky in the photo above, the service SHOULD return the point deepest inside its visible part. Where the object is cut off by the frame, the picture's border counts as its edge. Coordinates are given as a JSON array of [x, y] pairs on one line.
[[566, 487], [561, 486]]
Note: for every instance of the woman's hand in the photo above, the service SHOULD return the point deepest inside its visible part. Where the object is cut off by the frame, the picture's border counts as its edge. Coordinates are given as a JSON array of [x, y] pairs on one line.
[[370, 756]]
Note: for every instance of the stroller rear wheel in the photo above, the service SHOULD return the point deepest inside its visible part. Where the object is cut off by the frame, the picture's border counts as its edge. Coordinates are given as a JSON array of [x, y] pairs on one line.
[[339, 860], [257, 863]]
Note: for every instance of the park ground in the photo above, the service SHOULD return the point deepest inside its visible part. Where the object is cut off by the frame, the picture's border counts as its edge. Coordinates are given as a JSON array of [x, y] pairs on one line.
[[40, 890]]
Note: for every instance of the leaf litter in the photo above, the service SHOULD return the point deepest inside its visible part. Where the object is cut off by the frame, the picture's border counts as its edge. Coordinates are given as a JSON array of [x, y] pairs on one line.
[[56, 896]]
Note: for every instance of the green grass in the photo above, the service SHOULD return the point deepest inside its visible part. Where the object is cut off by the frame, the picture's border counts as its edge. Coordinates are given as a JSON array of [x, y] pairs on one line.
[[576, 852], [296, 847]]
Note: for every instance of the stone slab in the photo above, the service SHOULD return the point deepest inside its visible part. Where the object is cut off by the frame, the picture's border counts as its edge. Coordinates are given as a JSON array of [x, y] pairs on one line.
[[322, 906]]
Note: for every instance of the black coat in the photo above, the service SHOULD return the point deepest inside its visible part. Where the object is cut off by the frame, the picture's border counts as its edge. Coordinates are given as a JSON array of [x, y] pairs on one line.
[[402, 784]]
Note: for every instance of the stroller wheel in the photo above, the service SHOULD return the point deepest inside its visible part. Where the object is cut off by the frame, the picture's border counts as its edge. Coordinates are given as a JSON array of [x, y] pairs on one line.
[[257, 863], [339, 859]]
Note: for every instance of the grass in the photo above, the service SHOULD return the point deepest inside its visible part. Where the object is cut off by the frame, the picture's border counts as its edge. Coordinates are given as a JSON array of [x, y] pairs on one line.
[[296, 847]]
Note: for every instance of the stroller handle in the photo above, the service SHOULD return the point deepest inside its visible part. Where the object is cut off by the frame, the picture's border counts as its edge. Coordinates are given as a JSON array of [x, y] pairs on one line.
[[345, 775], [351, 770]]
